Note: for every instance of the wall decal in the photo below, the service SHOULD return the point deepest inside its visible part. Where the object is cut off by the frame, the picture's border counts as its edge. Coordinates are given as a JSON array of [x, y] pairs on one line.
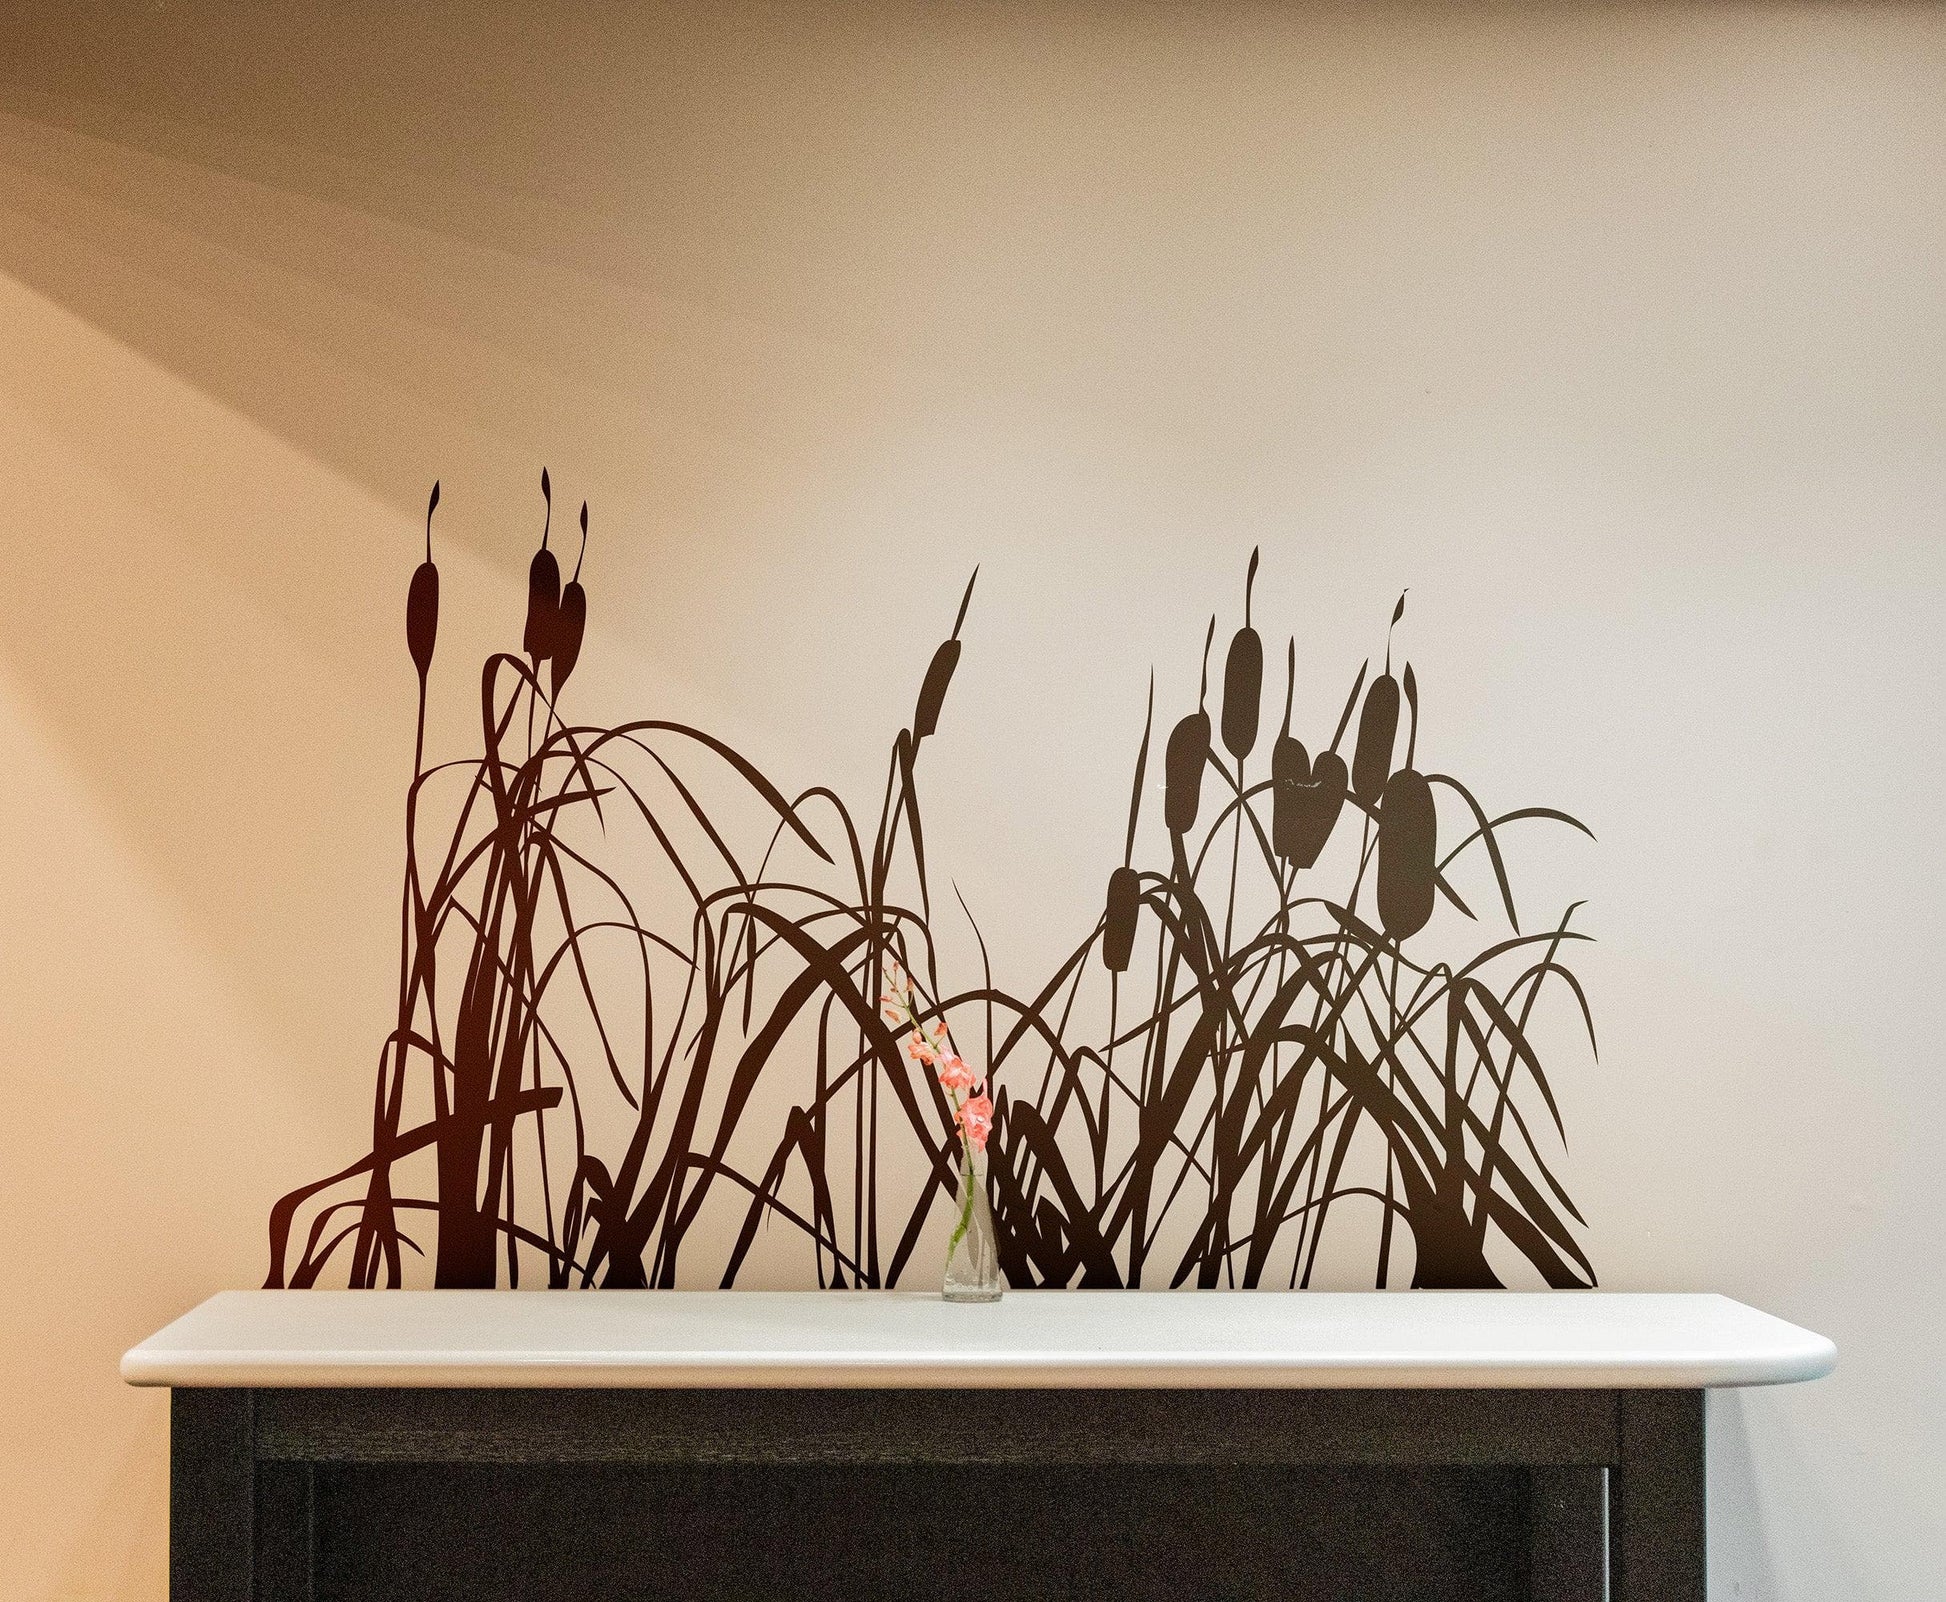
[[639, 985]]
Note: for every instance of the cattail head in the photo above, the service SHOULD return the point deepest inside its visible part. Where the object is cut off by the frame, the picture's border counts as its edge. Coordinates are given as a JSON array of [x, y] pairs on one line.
[[1378, 728], [1290, 781], [939, 672], [1290, 772], [1243, 679], [1118, 923], [571, 622], [1408, 843], [422, 601], [1184, 756], [1306, 799], [543, 606], [1183, 761], [932, 691], [543, 590], [1330, 783]]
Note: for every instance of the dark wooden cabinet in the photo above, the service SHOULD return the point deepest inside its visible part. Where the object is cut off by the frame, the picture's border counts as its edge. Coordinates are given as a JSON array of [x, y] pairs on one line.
[[587, 1495]]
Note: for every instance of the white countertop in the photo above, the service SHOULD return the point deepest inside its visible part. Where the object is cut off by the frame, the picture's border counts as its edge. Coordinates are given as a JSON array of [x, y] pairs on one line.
[[1199, 1339]]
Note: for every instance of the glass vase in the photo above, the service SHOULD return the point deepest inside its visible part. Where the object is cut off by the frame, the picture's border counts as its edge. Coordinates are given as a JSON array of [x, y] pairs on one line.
[[973, 1253]]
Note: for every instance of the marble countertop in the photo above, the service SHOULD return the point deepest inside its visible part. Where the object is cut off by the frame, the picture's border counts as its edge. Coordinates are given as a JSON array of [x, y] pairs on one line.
[[1204, 1339]]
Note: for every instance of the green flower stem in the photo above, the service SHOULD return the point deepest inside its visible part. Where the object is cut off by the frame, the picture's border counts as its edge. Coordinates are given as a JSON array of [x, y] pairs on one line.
[[966, 1207], [966, 1147]]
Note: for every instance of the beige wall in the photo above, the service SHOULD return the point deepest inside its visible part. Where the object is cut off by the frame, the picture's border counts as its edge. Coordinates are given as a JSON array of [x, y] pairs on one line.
[[1615, 332]]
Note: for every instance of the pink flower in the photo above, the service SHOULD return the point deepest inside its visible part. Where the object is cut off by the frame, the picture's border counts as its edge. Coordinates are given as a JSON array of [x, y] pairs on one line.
[[919, 1048], [954, 1074], [976, 1120]]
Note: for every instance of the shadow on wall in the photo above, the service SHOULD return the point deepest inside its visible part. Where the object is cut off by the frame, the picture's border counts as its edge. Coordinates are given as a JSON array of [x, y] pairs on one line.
[[366, 314], [334, 309], [1241, 1048]]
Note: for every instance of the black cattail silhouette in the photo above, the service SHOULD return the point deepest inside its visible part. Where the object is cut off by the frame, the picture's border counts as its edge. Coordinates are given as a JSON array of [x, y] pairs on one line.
[[1408, 839], [1125, 884], [1305, 800], [939, 672], [543, 590], [422, 601], [1243, 679], [1118, 926], [1290, 786], [1187, 752], [1303, 805], [1330, 783], [572, 620], [1183, 772], [932, 691], [1378, 727]]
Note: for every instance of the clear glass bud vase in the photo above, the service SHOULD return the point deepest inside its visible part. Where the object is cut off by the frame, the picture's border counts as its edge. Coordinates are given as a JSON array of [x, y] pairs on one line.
[[973, 1254]]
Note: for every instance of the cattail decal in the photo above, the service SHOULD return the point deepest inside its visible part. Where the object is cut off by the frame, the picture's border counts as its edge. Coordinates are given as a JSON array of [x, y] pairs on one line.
[[1118, 926], [1243, 678], [543, 590], [1378, 726], [1305, 799], [1182, 762], [1183, 772], [1290, 771], [939, 672], [422, 601], [1408, 836], [572, 620], [1330, 783], [1125, 884], [932, 690], [1290, 785]]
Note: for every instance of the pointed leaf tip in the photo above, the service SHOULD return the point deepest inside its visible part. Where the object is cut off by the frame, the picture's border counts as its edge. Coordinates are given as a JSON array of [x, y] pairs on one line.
[[547, 489], [965, 600], [433, 502], [1399, 610]]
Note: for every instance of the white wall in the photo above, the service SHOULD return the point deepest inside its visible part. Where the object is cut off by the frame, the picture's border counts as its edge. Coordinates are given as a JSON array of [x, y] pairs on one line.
[[1614, 332]]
